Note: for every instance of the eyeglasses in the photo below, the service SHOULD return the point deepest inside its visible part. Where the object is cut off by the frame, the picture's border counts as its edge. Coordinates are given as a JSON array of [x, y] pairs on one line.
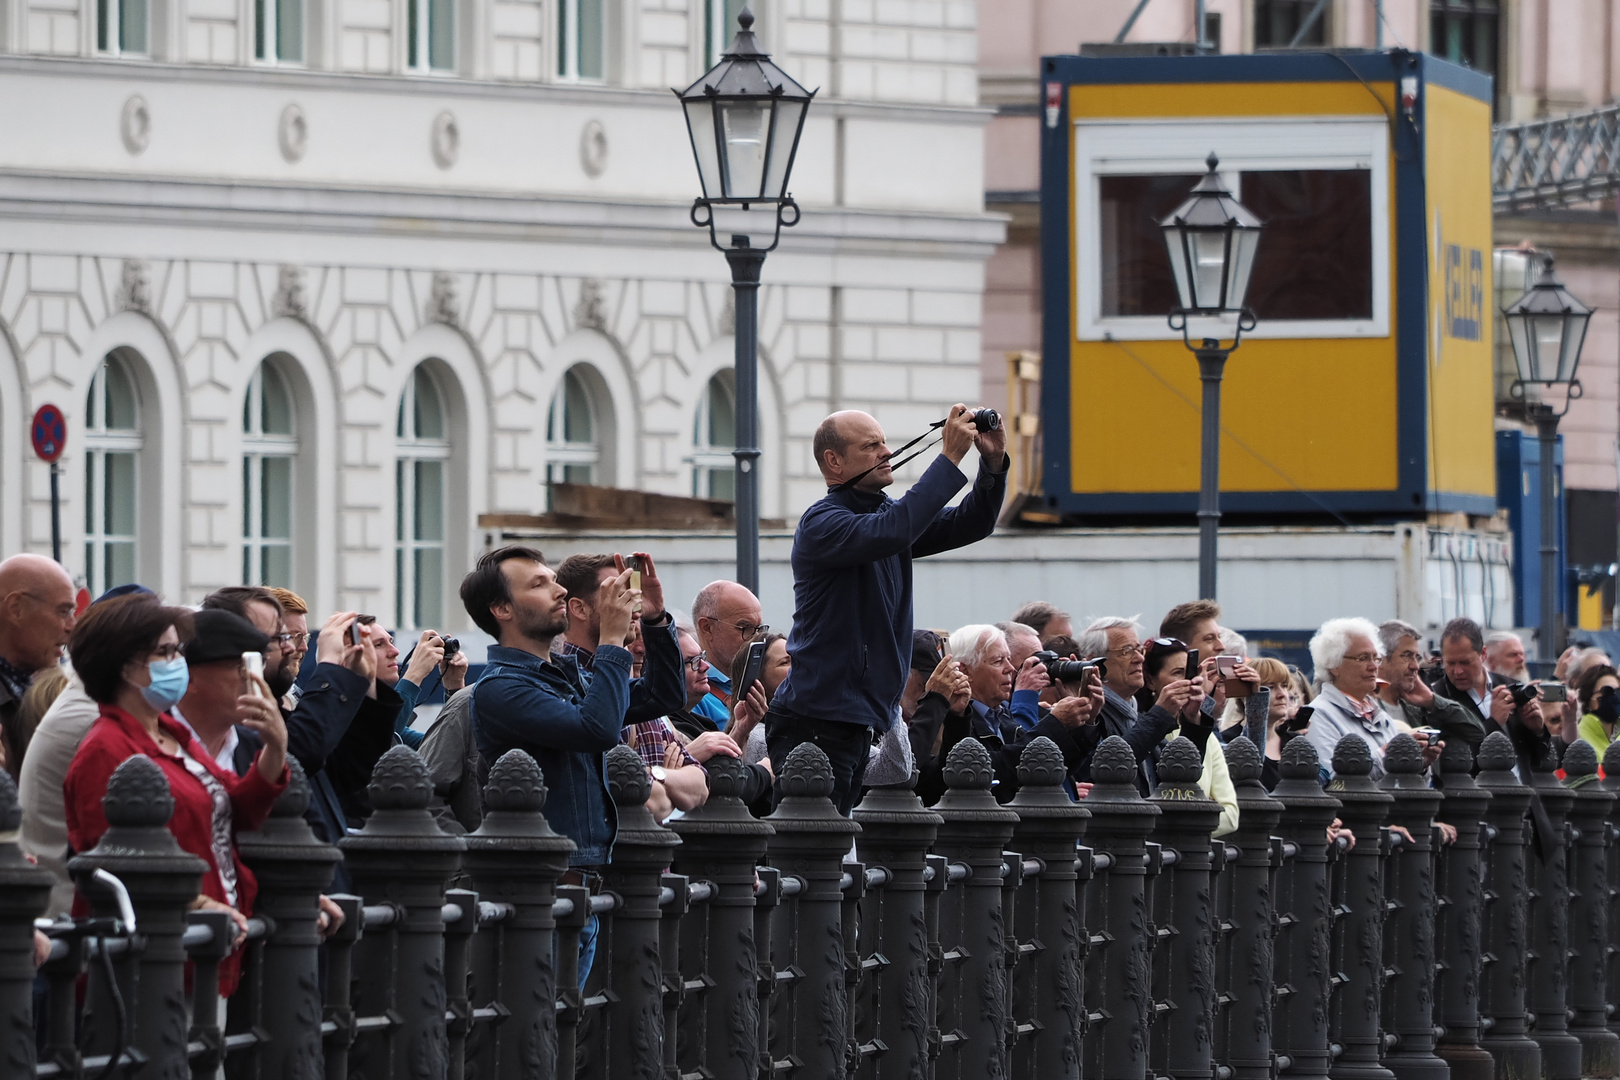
[[63, 611], [285, 640], [749, 630], [169, 652], [696, 663], [1126, 650], [1363, 658]]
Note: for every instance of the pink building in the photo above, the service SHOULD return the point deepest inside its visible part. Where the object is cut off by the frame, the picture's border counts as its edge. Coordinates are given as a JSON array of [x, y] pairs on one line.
[[1549, 57]]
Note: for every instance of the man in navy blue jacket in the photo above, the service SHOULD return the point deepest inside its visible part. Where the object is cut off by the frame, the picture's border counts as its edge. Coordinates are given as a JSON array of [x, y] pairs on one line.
[[851, 640]]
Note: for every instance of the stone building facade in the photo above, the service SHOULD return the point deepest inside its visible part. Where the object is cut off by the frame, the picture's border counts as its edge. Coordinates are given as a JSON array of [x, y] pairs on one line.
[[319, 282]]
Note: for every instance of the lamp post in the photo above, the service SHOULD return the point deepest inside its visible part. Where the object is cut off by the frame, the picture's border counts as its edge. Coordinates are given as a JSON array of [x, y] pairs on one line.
[[1212, 240], [1547, 327], [744, 116]]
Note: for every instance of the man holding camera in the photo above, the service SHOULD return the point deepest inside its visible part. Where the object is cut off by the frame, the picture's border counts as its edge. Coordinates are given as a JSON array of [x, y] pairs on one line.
[[1499, 703], [851, 641]]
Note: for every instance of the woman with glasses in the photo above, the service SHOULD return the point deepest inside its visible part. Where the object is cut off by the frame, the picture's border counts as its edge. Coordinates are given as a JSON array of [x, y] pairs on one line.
[[130, 655], [1346, 655], [1164, 661]]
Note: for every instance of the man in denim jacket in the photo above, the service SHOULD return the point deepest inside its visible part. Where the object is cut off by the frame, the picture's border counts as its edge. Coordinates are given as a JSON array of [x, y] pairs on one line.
[[566, 718]]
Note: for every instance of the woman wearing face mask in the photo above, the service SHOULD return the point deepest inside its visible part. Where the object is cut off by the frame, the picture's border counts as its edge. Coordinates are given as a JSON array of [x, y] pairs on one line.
[[129, 653], [1599, 694]]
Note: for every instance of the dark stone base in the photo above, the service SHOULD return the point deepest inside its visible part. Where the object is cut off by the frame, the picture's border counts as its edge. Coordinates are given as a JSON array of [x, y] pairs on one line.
[[1516, 1057]]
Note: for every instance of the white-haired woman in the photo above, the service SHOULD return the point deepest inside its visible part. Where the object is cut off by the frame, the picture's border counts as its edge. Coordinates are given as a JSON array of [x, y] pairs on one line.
[[1346, 655]]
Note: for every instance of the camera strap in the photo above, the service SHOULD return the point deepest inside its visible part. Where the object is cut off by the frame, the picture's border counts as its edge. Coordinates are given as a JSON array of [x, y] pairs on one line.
[[890, 460]]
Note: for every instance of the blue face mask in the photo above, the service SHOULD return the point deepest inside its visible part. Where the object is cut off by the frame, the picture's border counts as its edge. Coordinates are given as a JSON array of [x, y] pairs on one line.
[[169, 681]]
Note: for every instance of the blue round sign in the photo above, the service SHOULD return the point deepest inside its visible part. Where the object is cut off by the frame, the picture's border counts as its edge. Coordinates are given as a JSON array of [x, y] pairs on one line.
[[49, 432]]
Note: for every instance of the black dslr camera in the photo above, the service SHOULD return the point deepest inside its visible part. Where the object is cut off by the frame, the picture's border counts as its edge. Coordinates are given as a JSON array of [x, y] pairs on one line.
[[1069, 671], [986, 419], [1523, 693]]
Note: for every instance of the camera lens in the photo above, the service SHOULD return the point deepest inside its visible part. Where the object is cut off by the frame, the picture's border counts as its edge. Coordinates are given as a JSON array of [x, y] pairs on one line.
[[987, 419]]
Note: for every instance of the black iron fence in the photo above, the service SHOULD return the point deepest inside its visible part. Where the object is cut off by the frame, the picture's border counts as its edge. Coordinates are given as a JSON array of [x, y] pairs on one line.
[[1108, 938]]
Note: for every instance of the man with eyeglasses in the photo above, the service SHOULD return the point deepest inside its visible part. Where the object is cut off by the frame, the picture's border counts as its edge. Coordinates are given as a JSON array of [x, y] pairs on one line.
[[37, 614], [727, 617], [1118, 642], [1406, 697]]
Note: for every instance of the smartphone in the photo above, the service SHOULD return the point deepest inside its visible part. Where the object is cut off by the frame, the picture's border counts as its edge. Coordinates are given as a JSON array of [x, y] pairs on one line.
[[636, 563], [357, 632], [751, 669], [1301, 720], [1225, 666], [1554, 692], [1192, 664], [253, 662]]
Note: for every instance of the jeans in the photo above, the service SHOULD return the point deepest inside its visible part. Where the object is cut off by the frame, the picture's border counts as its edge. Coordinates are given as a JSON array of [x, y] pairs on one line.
[[847, 747]]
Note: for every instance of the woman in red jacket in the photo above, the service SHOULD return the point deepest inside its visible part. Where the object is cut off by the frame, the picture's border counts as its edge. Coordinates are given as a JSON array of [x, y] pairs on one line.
[[129, 653]]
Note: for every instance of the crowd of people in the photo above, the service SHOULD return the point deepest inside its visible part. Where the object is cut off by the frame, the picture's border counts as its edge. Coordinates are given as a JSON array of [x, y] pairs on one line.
[[590, 654]]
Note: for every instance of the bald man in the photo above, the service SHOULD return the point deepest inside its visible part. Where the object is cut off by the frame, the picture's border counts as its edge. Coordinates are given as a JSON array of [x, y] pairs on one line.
[[727, 617], [852, 553], [37, 613]]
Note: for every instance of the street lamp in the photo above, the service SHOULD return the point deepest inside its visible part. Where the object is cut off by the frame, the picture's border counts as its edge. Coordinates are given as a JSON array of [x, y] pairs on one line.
[[1547, 327], [744, 116], [1212, 240]]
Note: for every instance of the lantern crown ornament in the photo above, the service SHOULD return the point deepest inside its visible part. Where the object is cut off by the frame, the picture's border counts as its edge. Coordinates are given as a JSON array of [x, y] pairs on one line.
[[1547, 328], [1212, 239], [745, 116]]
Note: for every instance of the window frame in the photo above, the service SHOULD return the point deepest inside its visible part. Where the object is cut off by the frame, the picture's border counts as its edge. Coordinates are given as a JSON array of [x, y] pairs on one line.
[[560, 453], [410, 448], [708, 459], [109, 24], [257, 445], [1112, 148], [718, 33], [99, 441]]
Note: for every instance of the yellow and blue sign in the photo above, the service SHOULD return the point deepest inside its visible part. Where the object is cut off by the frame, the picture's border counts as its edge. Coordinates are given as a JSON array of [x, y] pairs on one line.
[[1365, 392]]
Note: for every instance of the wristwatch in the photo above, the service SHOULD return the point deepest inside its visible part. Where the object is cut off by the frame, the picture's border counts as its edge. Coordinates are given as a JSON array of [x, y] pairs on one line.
[[663, 618], [659, 773]]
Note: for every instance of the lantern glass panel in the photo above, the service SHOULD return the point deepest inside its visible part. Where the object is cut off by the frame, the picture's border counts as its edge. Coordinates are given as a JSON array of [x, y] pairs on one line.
[[745, 126], [785, 137], [1547, 340], [700, 122], [1208, 250], [1573, 337], [1523, 348], [1245, 243]]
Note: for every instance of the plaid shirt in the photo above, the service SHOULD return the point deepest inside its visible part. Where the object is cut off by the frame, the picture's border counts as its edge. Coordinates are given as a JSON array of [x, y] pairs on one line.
[[653, 738], [15, 678], [582, 656]]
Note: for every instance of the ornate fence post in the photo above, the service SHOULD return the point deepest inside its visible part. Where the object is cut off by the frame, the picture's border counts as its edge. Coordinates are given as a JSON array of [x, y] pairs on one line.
[[1119, 985], [1611, 784], [1358, 933], [641, 854], [720, 843], [24, 891], [1589, 913], [1183, 1038], [897, 831], [1048, 987], [293, 869], [514, 858], [1409, 943], [1303, 914], [401, 858], [1243, 1037], [973, 992], [810, 1018], [1461, 904], [1502, 985], [1547, 1000]]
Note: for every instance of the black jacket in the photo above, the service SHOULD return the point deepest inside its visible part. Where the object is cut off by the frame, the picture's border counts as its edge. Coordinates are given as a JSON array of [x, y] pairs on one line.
[[1535, 749], [1144, 731]]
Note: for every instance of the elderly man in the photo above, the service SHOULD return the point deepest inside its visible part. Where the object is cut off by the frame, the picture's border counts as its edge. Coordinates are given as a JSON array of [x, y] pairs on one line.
[[36, 618], [1022, 643], [219, 693], [1504, 656], [1119, 642], [727, 617], [1047, 620], [1406, 697], [852, 555], [1467, 682]]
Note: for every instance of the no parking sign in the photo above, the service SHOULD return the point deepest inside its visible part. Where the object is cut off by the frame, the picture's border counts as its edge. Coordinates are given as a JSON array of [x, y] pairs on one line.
[[49, 433]]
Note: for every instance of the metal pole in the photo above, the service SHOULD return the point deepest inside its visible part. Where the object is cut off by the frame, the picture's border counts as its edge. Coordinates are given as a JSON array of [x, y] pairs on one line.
[[1198, 17], [746, 263], [1547, 433], [1211, 364], [56, 513]]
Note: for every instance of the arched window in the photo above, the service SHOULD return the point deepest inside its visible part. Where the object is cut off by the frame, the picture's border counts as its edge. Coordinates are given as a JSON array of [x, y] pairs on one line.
[[714, 436], [112, 442], [423, 452], [269, 448], [572, 433]]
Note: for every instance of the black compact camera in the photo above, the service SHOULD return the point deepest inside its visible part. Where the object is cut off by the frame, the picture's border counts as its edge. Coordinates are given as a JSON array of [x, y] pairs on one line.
[[451, 647], [986, 419], [1069, 671], [1523, 693]]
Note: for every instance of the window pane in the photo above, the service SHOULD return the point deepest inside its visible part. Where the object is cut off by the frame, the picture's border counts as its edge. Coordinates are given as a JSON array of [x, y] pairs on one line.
[[429, 567], [290, 30], [132, 26], [275, 410], [578, 474], [412, 31], [260, 46], [104, 12], [1277, 21], [119, 411], [120, 564], [275, 497], [92, 462], [402, 505], [576, 410], [247, 496], [590, 39], [429, 504], [429, 413], [442, 34], [399, 588], [723, 484], [1315, 256], [1136, 274], [277, 568], [118, 498], [722, 414]]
